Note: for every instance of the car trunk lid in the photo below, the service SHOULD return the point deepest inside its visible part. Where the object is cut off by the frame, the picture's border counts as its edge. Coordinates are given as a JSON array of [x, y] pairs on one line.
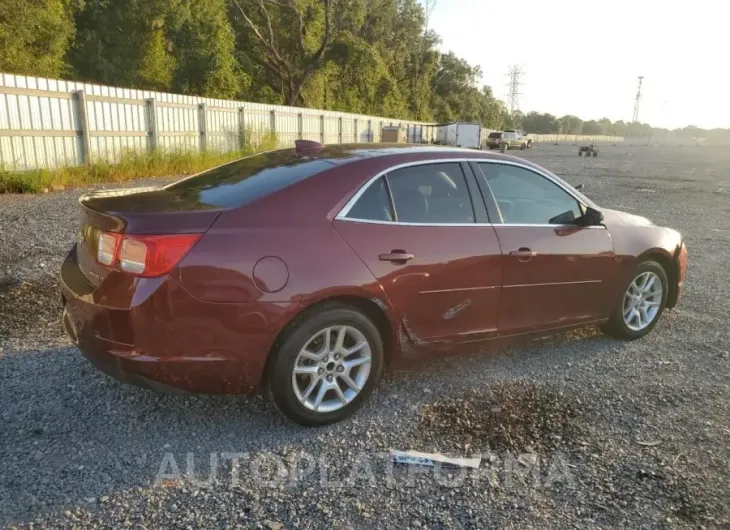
[[138, 211]]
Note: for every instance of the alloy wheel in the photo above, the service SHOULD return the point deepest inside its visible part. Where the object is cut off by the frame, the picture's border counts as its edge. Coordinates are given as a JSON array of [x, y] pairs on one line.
[[332, 368], [642, 301]]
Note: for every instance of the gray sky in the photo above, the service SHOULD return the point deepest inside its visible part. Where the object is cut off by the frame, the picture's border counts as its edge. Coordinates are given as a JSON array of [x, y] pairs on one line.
[[582, 57]]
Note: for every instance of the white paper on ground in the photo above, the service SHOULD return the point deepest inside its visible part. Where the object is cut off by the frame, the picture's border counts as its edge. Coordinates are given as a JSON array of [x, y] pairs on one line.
[[430, 459]]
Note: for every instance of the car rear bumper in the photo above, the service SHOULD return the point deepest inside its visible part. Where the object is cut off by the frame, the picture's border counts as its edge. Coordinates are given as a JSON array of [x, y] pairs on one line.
[[167, 340]]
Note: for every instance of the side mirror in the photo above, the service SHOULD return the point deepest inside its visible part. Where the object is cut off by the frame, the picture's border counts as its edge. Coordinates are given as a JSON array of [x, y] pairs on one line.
[[579, 187], [592, 217]]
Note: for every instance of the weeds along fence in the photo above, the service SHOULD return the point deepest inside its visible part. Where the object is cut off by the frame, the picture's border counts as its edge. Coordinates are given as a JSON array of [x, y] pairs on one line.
[[47, 123]]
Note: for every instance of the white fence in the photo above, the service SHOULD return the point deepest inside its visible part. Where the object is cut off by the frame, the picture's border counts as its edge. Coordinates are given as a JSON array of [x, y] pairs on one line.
[[47, 123]]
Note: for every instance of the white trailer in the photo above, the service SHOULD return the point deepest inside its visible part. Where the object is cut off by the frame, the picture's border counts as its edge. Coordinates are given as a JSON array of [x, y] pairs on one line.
[[459, 134]]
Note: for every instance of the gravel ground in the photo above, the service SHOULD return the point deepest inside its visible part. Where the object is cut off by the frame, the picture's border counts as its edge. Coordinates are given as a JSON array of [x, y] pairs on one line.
[[576, 430]]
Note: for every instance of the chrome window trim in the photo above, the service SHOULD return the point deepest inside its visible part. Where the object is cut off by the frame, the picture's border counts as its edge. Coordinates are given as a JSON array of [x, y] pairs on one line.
[[376, 222], [600, 227], [342, 214]]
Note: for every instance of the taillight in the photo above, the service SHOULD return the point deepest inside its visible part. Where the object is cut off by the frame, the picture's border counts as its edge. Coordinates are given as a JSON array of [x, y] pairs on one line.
[[145, 256], [106, 252]]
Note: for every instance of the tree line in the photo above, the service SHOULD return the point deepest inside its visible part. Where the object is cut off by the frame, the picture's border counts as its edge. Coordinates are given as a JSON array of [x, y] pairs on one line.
[[539, 123], [376, 57]]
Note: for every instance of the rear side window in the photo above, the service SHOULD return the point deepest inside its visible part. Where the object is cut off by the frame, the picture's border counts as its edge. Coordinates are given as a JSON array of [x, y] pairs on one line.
[[246, 180], [374, 204], [495, 135], [431, 194]]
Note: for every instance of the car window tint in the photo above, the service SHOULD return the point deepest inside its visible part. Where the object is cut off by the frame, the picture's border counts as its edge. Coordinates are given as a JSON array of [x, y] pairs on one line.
[[431, 193], [374, 204], [525, 197], [246, 180]]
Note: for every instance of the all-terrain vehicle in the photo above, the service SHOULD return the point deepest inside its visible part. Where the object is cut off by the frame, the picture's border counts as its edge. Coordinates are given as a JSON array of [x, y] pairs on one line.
[[590, 149]]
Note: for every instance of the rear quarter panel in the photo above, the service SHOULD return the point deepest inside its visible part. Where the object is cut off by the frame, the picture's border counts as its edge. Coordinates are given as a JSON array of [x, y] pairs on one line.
[[295, 226]]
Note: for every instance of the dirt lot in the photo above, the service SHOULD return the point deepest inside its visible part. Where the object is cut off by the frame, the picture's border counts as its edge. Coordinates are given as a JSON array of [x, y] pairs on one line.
[[577, 430]]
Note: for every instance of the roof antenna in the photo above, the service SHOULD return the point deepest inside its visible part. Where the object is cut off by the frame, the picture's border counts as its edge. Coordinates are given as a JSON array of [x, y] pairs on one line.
[[307, 147]]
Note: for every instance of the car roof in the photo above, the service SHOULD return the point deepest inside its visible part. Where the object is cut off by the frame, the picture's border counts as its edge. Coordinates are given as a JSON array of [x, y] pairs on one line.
[[344, 153]]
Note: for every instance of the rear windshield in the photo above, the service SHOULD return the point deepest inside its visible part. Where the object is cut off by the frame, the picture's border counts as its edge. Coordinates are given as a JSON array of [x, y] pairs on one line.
[[495, 135], [248, 179]]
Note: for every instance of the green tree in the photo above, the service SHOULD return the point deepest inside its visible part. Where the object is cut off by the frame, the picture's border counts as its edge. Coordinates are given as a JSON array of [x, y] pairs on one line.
[[156, 64], [288, 39], [619, 128], [34, 36], [571, 125], [535, 122], [592, 127], [606, 126], [203, 43], [184, 46], [114, 37]]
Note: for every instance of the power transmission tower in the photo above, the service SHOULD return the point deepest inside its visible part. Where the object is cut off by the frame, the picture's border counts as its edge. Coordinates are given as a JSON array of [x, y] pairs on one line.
[[515, 72], [638, 100]]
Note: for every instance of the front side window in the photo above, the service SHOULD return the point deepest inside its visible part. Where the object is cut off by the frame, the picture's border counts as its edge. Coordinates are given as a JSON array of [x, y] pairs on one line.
[[526, 197], [431, 194]]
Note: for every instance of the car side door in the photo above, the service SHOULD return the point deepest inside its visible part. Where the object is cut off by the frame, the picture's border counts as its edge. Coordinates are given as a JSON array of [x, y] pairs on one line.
[[431, 248], [555, 272]]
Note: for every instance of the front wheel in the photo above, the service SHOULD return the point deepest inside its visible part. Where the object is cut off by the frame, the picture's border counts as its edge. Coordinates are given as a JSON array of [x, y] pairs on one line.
[[642, 303], [529, 144], [326, 365]]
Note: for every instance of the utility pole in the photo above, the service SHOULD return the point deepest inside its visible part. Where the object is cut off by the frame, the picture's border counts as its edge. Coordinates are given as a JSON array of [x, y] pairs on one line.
[[514, 74], [638, 100]]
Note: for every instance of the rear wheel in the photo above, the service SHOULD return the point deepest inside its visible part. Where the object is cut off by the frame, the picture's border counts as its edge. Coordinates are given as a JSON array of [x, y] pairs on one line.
[[326, 365], [642, 303], [529, 144], [595, 154], [580, 153]]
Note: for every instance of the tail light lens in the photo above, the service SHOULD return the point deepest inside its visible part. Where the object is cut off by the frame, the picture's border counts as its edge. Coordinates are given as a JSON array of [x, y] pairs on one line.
[[145, 256], [107, 249]]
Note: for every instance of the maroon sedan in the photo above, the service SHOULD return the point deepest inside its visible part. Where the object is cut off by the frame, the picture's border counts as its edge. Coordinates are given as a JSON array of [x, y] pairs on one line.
[[301, 272]]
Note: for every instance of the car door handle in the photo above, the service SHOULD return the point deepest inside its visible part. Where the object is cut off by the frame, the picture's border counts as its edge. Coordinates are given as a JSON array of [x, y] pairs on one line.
[[524, 254], [399, 257]]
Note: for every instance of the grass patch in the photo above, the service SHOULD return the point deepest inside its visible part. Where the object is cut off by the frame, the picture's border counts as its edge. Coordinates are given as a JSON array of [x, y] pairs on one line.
[[131, 166]]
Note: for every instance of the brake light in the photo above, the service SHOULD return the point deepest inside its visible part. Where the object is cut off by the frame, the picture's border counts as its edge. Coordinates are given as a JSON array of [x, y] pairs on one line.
[[146, 256]]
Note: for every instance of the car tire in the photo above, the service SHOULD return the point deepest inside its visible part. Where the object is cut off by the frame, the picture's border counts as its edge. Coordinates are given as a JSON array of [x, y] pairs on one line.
[[529, 144], [580, 153], [629, 328], [287, 389], [523, 147]]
